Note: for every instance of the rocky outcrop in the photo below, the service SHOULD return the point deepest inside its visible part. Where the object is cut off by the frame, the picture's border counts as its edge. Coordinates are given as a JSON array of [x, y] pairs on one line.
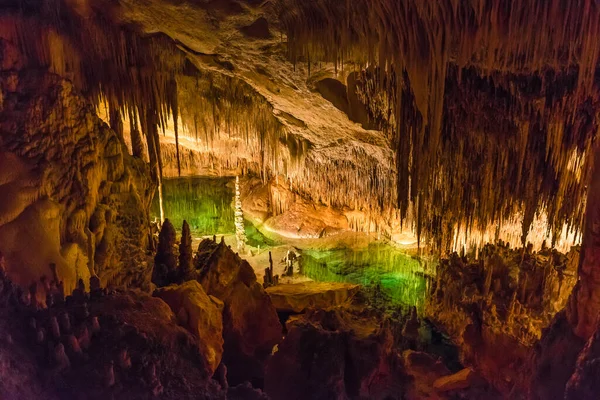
[[560, 362], [200, 314], [251, 327], [424, 369], [584, 383], [463, 379], [165, 262], [71, 187], [335, 354], [554, 360], [98, 345], [496, 307], [299, 297]]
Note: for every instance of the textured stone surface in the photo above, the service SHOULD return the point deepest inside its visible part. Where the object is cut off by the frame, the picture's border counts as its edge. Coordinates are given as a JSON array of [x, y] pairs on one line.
[[250, 324], [584, 384], [200, 314], [298, 297], [71, 188], [335, 354], [460, 380], [555, 358]]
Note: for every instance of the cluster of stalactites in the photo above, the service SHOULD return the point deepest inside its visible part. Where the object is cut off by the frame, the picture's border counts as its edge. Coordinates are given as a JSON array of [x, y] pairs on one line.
[[143, 79], [470, 169]]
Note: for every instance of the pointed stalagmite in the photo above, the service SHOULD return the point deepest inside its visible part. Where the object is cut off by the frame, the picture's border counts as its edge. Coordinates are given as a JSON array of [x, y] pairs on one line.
[[165, 262], [186, 265]]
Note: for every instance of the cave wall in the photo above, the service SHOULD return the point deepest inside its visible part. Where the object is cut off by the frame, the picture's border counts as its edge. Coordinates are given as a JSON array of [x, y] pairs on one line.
[[69, 191]]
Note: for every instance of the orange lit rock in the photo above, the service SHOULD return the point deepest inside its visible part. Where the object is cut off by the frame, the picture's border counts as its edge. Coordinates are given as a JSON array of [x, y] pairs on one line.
[[299, 297], [198, 313], [251, 326], [460, 380]]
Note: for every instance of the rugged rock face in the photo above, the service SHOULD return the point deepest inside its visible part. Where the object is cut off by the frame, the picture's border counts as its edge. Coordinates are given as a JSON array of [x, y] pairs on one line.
[[251, 327], [564, 339], [584, 383], [124, 345], [67, 183], [496, 308], [555, 358], [200, 314], [333, 354]]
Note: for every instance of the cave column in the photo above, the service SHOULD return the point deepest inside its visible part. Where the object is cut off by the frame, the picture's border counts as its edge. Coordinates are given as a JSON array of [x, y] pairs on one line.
[[584, 304]]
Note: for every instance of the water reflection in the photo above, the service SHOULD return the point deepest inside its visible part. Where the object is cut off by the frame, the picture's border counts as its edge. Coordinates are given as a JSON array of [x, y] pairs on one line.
[[205, 203], [398, 277]]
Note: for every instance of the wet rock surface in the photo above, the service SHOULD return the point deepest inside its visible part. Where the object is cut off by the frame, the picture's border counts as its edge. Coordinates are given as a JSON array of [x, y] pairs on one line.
[[299, 297]]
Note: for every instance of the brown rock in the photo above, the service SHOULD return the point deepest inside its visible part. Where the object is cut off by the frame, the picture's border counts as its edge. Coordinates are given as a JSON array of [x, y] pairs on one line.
[[584, 383], [334, 354], [461, 380], [199, 314], [299, 297], [251, 326]]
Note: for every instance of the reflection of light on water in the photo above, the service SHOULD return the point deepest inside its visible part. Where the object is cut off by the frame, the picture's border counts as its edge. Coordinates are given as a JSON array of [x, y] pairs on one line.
[[398, 276], [205, 203]]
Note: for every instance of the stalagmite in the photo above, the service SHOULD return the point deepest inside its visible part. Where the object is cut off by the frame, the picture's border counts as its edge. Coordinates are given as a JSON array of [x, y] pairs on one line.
[[240, 230], [60, 357], [186, 265], [54, 328]]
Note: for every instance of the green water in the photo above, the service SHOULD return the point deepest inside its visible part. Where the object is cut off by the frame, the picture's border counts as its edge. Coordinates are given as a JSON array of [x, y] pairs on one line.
[[397, 277], [385, 271], [205, 203]]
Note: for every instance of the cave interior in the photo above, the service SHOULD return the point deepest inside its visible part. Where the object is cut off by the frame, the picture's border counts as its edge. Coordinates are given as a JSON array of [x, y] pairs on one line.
[[300, 199]]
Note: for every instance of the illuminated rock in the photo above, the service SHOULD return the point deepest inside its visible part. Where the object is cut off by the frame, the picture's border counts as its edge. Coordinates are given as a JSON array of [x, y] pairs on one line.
[[251, 326], [299, 297], [200, 314]]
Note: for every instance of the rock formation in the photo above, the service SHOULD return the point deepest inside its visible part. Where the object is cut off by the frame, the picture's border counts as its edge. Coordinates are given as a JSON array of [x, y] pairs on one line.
[[127, 346], [186, 256], [200, 314], [497, 307], [333, 354], [165, 262], [299, 297], [68, 183], [251, 327], [456, 123]]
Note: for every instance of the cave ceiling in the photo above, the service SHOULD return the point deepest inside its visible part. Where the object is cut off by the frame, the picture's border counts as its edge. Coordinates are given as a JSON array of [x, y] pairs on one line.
[[436, 114]]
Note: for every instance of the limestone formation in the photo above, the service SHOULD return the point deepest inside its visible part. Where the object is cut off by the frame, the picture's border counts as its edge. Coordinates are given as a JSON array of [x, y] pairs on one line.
[[60, 357], [334, 354], [299, 297], [165, 261], [186, 265], [250, 324], [200, 314], [240, 230], [455, 126]]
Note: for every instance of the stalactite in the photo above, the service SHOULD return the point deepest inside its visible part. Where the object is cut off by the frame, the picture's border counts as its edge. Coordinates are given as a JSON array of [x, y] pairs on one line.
[[137, 145], [488, 119], [116, 123]]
